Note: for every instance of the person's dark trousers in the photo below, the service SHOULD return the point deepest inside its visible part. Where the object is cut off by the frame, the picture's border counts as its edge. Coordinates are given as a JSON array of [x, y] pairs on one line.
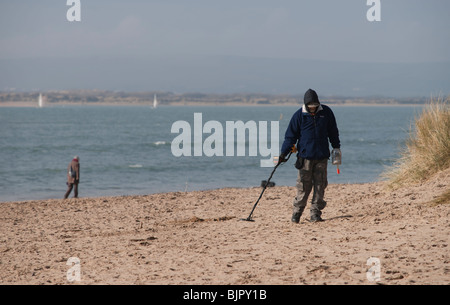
[[311, 177], [71, 186]]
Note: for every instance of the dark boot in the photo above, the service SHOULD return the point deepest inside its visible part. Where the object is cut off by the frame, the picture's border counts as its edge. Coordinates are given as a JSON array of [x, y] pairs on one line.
[[316, 218], [296, 215]]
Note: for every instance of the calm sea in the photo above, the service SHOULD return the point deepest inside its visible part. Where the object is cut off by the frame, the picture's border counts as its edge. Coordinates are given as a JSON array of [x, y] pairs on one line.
[[126, 150]]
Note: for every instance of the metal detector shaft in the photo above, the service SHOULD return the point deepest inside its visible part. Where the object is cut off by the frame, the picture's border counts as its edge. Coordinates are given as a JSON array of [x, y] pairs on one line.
[[249, 218]]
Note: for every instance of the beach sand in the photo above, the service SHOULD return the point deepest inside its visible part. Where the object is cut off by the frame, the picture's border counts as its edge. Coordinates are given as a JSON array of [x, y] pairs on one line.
[[197, 238]]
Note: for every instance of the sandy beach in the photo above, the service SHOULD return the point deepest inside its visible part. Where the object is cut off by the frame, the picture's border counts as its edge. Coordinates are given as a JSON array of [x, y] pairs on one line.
[[197, 238]]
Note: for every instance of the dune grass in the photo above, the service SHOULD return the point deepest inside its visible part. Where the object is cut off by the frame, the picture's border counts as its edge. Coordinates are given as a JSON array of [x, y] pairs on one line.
[[427, 149], [442, 199]]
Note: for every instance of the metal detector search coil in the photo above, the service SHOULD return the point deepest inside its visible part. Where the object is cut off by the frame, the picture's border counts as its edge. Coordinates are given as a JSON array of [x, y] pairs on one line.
[[249, 218]]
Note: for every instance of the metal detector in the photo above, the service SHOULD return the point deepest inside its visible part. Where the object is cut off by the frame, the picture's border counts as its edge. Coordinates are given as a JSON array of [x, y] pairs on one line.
[[249, 218]]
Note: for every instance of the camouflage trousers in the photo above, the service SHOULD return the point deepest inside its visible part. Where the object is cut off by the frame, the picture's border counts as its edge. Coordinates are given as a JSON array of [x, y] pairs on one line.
[[311, 176]]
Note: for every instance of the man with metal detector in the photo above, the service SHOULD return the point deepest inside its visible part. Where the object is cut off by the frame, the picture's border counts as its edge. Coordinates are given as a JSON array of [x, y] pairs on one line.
[[310, 128]]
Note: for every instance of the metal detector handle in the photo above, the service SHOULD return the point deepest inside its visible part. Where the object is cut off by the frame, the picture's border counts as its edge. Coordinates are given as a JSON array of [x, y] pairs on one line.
[[278, 164]]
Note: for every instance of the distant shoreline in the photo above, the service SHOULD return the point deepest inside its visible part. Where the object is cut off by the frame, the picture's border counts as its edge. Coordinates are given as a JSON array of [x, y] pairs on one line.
[[113, 98], [119, 104]]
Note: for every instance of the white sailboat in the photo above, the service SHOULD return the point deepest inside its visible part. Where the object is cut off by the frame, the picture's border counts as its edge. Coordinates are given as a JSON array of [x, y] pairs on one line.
[[40, 101], [155, 102]]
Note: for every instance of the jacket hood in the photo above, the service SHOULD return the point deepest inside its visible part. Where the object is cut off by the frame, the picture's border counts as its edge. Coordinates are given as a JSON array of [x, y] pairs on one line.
[[311, 97]]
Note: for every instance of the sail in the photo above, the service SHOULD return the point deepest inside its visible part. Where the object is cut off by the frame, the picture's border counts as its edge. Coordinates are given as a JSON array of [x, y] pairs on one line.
[[155, 101], [40, 101]]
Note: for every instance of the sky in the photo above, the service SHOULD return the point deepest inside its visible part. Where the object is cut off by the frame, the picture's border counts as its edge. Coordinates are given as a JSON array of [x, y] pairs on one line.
[[283, 46]]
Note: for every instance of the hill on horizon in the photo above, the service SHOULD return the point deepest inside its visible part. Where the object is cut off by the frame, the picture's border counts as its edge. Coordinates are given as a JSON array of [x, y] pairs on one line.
[[226, 74]]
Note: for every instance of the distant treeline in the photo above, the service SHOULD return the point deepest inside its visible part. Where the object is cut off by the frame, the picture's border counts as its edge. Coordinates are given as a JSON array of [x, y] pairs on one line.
[[169, 98]]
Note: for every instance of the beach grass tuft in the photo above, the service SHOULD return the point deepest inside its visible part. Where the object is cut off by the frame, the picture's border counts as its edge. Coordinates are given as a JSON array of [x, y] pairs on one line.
[[427, 149], [442, 199]]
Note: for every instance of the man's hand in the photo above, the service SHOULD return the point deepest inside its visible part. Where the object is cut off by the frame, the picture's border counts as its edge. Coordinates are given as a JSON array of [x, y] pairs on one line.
[[281, 159], [338, 150]]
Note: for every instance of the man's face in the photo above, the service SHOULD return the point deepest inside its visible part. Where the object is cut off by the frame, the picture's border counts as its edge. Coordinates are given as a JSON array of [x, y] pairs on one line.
[[312, 108]]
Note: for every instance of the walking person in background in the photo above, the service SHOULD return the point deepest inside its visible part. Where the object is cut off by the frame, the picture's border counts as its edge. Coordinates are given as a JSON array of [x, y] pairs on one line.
[[73, 177], [310, 128]]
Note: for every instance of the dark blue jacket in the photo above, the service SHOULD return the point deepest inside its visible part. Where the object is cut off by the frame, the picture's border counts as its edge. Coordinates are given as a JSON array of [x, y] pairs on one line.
[[311, 133]]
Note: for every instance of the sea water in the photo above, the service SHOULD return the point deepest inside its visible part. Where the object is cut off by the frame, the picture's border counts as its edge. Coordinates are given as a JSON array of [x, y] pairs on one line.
[[126, 150]]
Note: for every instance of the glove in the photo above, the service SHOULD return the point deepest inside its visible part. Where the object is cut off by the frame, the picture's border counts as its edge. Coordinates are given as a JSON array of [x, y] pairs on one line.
[[337, 151], [281, 159], [336, 156]]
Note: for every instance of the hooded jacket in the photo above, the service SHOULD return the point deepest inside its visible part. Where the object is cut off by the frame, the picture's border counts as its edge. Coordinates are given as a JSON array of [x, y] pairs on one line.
[[312, 131]]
